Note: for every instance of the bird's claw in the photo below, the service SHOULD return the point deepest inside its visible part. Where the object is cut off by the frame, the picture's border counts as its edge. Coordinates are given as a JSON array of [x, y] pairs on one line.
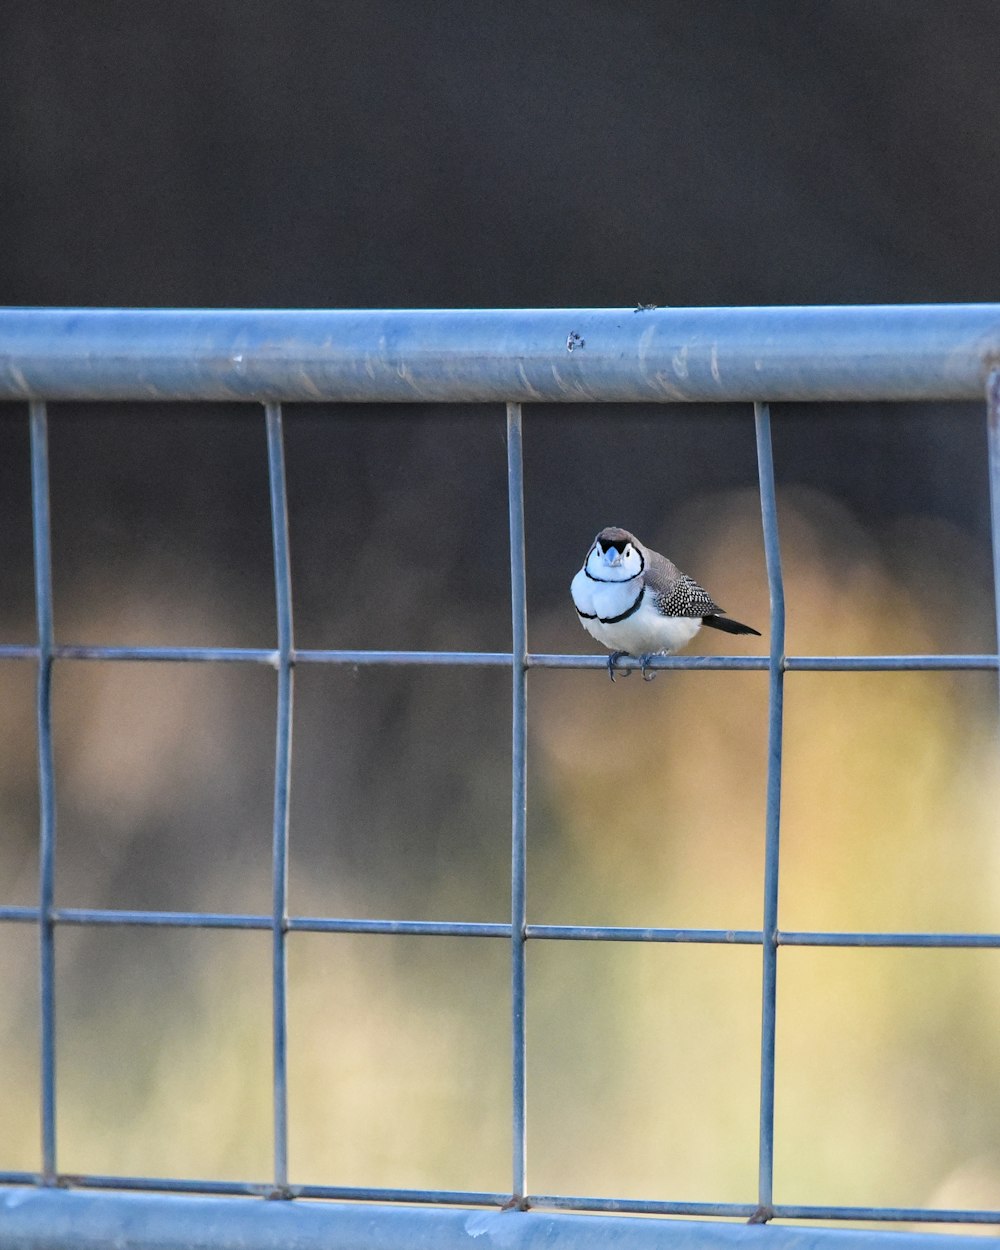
[[613, 659], [644, 665]]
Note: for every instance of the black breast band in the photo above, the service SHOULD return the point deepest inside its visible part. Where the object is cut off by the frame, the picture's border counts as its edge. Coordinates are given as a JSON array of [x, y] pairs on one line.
[[614, 620]]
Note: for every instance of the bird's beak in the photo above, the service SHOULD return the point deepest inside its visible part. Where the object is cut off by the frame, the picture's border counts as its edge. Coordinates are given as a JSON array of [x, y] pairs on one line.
[[612, 557]]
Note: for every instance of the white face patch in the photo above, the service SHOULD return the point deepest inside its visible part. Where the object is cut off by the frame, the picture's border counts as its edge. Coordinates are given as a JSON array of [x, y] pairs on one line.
[[609, 564], [631, 560]]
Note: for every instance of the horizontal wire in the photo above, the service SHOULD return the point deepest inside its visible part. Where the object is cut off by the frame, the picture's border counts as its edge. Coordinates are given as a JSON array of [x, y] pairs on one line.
[[474, 1198], [162, 1184], [103, 917], [98, 917], [968, 941], [501, 659], [642, 1206], [907, 1215], [620, 933], [187, 655], [780, 1211], [436, 1197]]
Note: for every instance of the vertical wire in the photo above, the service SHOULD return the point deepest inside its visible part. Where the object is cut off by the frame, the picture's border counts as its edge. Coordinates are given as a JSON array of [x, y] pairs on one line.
[[282, 777], [46, 779], [776, 671], [519, 623], [993, 444]]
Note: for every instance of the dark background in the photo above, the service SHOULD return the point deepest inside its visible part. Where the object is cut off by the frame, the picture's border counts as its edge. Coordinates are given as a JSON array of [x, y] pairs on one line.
[[581, 153], [585, 154]]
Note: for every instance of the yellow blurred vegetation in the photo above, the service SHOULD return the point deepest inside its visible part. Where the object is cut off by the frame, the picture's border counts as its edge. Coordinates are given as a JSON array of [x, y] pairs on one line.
[[646, 808]]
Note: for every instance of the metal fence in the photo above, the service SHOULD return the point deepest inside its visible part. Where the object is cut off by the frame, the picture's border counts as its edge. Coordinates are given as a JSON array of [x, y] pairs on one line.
[[516, 357]]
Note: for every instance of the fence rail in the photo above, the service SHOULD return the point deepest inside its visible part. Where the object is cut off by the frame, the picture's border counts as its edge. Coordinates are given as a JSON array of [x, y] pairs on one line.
[[741, 355], [501, 355]]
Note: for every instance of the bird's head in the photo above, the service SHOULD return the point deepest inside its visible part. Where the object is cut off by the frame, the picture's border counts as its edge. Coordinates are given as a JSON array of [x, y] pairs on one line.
[[615, 556]]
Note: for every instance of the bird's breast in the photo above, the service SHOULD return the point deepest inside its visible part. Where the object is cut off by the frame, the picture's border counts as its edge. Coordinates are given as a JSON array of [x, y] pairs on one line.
[[611, 599], [583, 597]]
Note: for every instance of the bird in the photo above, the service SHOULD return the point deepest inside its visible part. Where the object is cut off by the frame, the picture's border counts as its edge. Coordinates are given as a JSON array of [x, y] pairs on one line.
[[638, 603]]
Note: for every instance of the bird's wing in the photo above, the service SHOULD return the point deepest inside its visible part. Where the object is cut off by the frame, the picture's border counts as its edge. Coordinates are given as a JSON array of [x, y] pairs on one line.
[[676, 594]]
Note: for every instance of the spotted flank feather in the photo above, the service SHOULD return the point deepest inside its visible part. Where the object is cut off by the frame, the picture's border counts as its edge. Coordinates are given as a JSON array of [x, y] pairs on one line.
[[684, 597]]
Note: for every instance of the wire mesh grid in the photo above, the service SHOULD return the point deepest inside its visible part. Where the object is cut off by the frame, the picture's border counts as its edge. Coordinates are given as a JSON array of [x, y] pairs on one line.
[[518, 932]]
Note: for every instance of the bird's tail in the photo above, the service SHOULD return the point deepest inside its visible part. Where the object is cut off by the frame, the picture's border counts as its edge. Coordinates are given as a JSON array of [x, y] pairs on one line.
[[727, 626]]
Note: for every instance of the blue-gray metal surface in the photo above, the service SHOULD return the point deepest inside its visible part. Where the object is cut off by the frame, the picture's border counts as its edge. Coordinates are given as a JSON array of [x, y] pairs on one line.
[[519, 801], [501, 659], [896, 353], [772, 822], [503, 355], [52, 1219], [282, 778], [100, 917], [46, 778]]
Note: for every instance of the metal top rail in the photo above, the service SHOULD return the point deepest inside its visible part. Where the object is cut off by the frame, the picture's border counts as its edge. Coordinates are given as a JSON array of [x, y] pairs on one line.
[[904, 352]]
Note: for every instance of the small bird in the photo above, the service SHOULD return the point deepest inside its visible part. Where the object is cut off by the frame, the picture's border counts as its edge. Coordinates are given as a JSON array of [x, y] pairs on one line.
[[637, 602]]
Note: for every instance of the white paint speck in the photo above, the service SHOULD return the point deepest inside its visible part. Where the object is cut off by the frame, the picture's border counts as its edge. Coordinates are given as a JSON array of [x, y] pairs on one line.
[[714, 362], [12, 1198], [478, 1223], [503, 1228], [680, 362]]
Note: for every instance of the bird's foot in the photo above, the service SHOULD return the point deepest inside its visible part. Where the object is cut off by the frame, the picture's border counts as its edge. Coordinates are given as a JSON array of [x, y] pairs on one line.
[[644, 665], [613, 659]]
